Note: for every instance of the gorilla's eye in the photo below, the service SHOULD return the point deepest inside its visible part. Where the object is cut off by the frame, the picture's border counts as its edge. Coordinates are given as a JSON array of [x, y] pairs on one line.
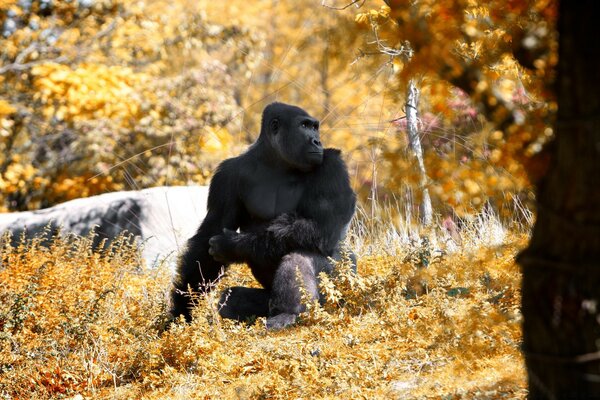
[[314, 126]]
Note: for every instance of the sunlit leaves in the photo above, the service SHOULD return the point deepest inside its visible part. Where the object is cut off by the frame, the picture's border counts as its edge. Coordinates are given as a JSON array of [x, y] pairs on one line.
[[365, 17], [397, 328], [215, 140], [90, 91], [5, 108], [117, 80], [479, 49]]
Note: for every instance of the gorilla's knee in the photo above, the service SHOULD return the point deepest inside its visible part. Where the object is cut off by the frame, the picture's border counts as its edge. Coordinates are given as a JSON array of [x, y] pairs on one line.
[[296, 271]]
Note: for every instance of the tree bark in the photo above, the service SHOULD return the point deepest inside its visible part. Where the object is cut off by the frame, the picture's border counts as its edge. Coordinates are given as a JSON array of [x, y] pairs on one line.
[[561, 266], [412, 127]]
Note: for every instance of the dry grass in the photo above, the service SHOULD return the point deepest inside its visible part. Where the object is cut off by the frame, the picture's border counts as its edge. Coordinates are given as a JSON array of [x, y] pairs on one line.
[[78, 324]]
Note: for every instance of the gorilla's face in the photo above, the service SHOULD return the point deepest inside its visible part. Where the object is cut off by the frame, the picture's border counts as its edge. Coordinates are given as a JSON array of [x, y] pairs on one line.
[[295, 136]]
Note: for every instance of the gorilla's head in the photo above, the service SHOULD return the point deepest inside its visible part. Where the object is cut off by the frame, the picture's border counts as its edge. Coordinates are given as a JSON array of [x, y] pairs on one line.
[[293, 135]]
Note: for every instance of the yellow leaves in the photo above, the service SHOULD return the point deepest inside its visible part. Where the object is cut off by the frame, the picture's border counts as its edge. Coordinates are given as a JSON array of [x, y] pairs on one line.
[[251, 367], [506, 89], [93, 317], [471, 187], [496, 155], [497, 135], [329, 290], [470, 28], [15, 178], [65, 188], [6, 4], [469, 51], [476, 12], [90, 91], [371, 15], [384, 11], [215, 140], [361, 18], [6, 108]]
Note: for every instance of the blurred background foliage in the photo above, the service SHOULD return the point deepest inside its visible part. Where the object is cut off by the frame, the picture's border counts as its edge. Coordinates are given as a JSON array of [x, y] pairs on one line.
[[103, 95]]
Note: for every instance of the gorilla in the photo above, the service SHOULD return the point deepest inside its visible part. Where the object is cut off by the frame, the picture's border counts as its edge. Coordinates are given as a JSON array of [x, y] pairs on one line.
[[292, 203]]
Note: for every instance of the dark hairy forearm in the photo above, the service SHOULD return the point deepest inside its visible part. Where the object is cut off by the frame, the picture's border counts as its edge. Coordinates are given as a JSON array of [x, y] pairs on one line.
[[285, 234]]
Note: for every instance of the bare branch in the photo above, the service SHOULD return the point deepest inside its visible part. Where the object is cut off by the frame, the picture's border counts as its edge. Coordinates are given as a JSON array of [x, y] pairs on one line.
[[397, 119], [412, 118], [84, 48], [355, 2], [25, 66], [405, 50]]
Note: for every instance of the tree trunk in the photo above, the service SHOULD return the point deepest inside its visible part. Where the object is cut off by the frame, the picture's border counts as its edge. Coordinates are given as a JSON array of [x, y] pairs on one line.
[[412, 102], [561, 266]]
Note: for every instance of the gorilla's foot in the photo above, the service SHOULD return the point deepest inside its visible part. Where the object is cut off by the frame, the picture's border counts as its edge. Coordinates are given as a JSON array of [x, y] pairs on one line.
[[280, 321], [244, 304]]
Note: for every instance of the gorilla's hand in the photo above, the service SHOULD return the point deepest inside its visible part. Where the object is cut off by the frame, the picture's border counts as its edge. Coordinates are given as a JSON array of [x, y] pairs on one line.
[[295, 232], [222, 247], [281, 225]]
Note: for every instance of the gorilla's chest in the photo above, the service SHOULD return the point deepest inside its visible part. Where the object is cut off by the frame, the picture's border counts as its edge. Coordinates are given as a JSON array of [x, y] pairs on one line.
[[267, 200]]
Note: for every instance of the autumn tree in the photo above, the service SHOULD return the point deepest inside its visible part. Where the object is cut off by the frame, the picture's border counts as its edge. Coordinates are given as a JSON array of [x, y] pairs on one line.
[[312, 57], [112, 94], [502, 56], [561, 279], [483, 70]]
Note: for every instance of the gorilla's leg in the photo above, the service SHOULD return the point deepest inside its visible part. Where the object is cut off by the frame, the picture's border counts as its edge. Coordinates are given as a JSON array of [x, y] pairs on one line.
[[295, 270], [244, 304]]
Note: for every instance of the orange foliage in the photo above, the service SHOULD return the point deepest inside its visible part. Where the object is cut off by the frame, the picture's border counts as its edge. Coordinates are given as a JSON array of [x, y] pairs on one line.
[[91, 91], [156, 94], [485, 71], [79, 323]]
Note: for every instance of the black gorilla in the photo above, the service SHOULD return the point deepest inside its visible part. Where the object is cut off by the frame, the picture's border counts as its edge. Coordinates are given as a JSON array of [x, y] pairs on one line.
[[292, 202]]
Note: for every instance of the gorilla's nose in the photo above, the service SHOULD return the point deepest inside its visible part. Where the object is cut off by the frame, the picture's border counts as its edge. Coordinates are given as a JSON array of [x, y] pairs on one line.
[[316, 142]]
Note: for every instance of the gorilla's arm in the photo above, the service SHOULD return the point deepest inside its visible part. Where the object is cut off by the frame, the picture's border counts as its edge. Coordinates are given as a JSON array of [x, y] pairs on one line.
[[330, 201], [286, 233], [197, 266], [319, 224]]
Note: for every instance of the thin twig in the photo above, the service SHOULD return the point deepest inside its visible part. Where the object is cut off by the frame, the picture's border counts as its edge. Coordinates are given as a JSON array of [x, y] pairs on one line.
[[346, 6], [26, 66], [404, 50]]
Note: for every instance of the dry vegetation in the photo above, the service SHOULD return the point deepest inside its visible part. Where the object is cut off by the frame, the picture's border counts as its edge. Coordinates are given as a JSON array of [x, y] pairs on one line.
[[104, 95], [422, 319]]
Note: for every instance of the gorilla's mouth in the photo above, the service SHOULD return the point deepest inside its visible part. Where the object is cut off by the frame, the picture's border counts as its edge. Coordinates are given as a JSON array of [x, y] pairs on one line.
[[315, 157]]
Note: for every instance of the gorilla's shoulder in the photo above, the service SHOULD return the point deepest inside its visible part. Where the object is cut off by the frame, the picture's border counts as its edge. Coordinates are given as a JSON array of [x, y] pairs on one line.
[[227, 173], [333, 169], [229, 166], [332, 158]]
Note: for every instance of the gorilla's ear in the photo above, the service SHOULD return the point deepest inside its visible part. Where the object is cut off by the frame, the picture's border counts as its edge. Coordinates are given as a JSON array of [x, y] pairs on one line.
[[275, 126]]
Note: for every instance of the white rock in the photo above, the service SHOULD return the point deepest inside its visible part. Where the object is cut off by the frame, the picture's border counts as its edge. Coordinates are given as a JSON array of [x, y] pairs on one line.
[[162, 219]]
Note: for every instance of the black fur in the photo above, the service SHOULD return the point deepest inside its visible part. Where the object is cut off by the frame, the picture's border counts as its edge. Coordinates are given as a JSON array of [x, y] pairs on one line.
[[292, 203]]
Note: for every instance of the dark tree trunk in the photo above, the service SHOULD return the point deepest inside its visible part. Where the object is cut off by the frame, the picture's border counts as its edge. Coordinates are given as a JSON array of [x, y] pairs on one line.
[[561, 266]]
